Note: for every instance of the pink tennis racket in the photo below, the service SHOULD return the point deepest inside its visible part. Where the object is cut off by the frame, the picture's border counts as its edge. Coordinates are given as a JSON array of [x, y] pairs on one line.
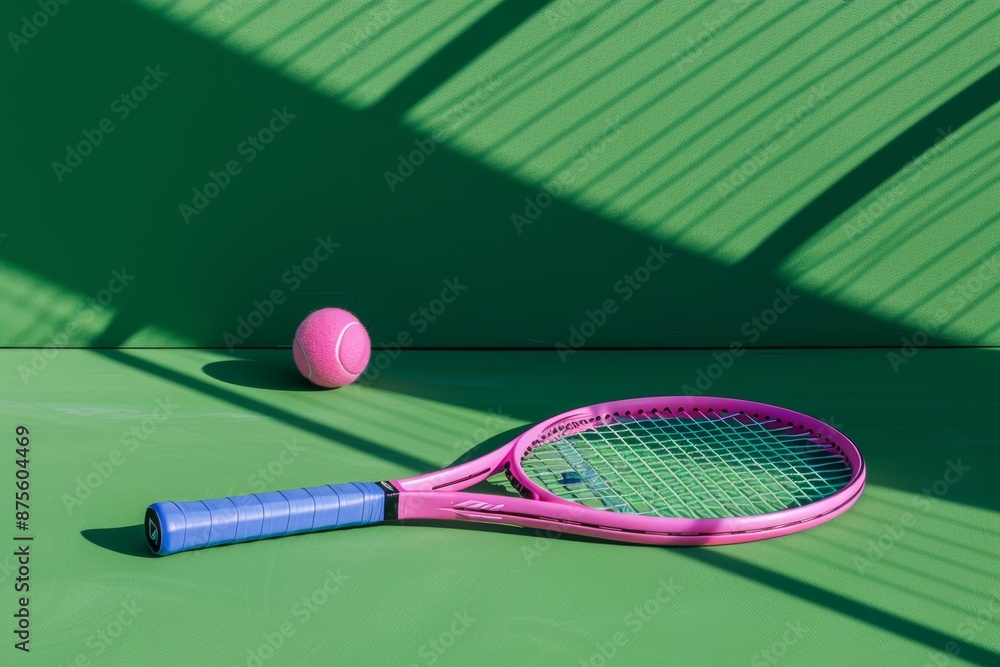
[[673, 470]]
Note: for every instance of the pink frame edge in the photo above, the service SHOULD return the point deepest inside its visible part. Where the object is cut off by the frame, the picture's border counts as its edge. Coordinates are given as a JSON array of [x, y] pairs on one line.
[[437, 495]]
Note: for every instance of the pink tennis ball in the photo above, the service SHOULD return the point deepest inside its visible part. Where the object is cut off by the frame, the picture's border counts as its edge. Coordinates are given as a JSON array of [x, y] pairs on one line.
[[331, 347]]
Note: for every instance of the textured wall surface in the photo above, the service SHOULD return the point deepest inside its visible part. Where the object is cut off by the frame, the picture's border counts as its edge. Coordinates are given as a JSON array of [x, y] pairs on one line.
[[574, 173]]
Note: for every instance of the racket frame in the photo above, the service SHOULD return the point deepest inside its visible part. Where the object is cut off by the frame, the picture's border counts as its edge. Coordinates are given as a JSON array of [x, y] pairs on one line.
[[439, 496]]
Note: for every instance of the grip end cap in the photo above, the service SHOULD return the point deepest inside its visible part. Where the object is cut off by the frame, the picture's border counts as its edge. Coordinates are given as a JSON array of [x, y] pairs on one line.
[[162, 523]]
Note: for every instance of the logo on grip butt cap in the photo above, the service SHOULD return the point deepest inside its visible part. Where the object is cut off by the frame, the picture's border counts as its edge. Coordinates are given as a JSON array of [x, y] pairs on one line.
[[154, 532]]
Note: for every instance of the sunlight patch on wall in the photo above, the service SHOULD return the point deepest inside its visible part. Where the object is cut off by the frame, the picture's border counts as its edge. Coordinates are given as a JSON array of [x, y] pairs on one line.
[[924, 248], [353, 50], [153, 335], [703, 125], [57, 316], [707, 139]]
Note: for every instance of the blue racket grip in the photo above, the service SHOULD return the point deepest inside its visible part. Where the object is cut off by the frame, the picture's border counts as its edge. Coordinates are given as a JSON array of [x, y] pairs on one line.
[[171, 527]]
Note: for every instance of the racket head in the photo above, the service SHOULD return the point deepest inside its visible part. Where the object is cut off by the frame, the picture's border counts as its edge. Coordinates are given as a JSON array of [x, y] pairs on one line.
[[716, 470], [438, 495]]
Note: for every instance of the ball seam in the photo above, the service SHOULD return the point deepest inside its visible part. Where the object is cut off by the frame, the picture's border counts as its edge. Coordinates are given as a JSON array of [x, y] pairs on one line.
[[306, 357], [336, 349]]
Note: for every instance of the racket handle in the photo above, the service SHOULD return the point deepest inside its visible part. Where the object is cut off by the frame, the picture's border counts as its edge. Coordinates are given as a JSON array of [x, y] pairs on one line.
[[171, 527]]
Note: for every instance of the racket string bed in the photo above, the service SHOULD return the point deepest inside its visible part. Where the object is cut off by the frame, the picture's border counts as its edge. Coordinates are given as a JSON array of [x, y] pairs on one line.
[[690, 467], [702, 493], [731, 459], [621, 431], [604, 463], [590, 478], [752, 453], [591, 473], [701, 473], [626, 474], [592, 470], [808, 455]]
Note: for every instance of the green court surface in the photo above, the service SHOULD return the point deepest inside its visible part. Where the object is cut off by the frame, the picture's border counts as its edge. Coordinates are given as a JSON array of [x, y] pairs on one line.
[[908, 576]]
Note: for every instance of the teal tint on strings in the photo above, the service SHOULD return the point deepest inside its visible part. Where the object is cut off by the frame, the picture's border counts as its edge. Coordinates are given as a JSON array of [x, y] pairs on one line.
[[698, 468]]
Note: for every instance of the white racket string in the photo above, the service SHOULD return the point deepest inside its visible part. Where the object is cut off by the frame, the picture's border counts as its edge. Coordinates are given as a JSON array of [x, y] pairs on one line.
[[695, 467]]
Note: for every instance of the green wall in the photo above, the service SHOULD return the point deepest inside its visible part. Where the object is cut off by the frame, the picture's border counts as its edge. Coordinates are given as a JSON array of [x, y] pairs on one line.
[[843, 151]]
